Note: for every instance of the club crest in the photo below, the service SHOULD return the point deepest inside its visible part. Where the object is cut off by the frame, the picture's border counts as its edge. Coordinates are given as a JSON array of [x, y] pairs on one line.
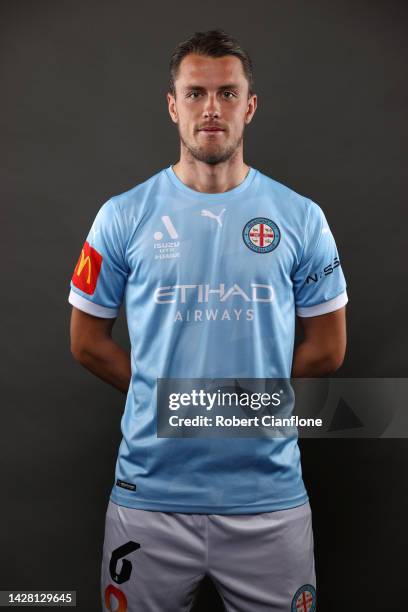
[[261, 235]]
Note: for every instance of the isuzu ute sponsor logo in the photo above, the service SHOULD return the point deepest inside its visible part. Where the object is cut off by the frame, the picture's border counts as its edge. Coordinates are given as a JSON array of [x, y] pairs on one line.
[[169, 227], [195, 295], [166, 249]]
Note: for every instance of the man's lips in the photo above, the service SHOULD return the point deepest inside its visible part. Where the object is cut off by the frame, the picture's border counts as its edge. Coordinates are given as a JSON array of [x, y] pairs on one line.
[[211, 129]]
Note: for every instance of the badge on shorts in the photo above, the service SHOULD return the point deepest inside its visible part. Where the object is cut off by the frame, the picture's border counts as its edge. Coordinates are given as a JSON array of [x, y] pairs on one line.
[[304, 599], [261, 235]]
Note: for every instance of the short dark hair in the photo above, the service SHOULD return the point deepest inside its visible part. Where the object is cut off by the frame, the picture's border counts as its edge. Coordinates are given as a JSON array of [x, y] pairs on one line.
[[213, 43]]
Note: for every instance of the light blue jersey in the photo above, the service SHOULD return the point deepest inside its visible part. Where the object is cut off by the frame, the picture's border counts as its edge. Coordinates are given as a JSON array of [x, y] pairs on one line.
[[211, 285]]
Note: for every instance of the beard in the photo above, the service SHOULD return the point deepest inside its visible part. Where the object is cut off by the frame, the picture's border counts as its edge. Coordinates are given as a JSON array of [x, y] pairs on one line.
[[213, 154]]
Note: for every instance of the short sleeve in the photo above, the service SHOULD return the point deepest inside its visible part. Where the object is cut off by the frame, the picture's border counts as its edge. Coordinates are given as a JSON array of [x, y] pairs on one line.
[[100, 275], [319, 283]]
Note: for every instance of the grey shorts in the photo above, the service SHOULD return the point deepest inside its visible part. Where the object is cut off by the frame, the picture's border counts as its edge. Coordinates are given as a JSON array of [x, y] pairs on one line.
[[154, 561]]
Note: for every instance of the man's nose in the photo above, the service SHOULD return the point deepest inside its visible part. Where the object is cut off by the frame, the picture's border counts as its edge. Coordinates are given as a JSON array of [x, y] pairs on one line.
[[211, 107]]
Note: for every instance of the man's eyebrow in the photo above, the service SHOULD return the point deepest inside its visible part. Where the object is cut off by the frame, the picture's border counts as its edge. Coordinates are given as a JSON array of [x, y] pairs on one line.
[[200, 88]]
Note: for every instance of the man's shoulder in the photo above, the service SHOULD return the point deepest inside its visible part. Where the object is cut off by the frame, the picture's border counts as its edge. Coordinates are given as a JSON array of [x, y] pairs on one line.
[[290, 199], [281, 189], [136, 194]]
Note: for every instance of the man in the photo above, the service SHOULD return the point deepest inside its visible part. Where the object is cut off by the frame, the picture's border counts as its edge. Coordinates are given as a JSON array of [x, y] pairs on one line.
[[214, 259]]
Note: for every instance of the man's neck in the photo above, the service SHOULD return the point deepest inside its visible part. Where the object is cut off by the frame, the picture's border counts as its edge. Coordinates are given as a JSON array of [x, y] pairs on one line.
[[211, 178]]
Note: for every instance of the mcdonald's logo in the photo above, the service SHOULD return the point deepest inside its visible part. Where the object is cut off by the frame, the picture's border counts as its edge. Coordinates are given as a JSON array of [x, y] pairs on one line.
[[87, 269]]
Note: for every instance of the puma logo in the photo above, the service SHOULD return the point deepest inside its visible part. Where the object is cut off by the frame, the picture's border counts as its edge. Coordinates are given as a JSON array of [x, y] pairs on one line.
[[208, 213]]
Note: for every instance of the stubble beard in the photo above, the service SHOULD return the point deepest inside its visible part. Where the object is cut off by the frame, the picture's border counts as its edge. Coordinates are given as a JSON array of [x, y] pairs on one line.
[[212, 156]]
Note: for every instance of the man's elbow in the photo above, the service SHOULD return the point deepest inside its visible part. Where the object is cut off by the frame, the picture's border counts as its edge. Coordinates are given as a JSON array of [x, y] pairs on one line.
[[78, 351], [335, 359]]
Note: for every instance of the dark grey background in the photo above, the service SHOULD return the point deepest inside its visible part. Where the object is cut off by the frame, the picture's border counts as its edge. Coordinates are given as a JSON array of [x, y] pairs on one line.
[[83, 117]]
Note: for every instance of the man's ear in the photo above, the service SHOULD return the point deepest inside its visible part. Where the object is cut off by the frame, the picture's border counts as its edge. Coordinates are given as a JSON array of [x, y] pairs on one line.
[[171, 102], [251, 108]]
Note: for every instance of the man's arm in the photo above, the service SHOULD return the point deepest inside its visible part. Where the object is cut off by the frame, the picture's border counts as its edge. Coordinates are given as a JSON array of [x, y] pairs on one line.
[[93, 346], [324, 345]]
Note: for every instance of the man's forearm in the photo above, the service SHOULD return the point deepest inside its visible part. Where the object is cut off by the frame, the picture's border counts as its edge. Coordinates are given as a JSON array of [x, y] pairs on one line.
[[310, 360], [108, 361]]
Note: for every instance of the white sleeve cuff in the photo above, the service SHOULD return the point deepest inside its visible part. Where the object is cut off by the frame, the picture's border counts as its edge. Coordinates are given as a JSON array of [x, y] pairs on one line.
[[94, 309], [319, 309]]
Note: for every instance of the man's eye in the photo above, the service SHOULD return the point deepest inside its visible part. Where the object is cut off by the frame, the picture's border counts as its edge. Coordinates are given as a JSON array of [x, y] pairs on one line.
[[229, 94], [193, 94]]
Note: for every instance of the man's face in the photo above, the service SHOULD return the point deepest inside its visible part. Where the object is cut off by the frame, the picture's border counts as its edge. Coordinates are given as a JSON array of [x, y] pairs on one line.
[[211, 106]]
